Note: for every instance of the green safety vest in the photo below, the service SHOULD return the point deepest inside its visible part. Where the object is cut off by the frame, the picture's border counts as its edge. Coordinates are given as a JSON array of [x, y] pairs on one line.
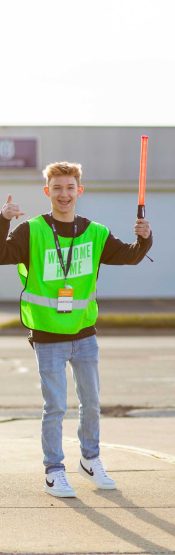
[[45, 277]]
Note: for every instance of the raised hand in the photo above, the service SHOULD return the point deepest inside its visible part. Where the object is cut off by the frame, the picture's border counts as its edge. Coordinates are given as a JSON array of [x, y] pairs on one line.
[[11, 210]]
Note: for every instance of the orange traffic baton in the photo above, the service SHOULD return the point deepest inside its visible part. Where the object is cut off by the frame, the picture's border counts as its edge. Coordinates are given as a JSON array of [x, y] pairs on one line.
[[142, 176]]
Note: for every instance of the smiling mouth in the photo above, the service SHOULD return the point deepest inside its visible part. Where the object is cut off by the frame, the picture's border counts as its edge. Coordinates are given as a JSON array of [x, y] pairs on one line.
[[64, 202]]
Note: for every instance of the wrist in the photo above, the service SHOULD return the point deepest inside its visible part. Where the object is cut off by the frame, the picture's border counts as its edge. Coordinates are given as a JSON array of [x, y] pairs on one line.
[[141, 238], [3, 217]]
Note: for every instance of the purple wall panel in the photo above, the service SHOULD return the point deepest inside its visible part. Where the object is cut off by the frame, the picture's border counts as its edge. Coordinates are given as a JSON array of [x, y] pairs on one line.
[[18, 153]]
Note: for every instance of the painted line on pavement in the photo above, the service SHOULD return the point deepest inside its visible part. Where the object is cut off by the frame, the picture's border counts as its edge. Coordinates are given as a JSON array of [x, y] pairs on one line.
[[138, 450]]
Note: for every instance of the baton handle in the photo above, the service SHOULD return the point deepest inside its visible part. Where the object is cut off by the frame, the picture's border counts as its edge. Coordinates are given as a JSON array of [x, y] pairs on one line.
[[141, 211]]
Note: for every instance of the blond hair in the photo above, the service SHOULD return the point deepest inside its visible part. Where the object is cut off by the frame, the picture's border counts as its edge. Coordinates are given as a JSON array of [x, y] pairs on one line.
[[63, 168]]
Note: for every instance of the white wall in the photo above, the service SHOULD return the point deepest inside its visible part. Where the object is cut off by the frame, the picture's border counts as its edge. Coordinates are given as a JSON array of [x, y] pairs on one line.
[[106, 153], [147, 279]]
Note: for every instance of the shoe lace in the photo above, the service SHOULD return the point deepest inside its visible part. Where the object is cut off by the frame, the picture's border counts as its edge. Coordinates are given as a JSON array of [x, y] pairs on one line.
[[61, 478], [100, 468]]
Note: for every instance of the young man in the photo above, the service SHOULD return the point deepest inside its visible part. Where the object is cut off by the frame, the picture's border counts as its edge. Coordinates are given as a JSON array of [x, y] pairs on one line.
[[58, 256]]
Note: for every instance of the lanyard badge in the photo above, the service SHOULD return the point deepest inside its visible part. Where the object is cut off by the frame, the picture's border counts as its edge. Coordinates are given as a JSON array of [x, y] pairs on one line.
[[65, 294], [65, 299]]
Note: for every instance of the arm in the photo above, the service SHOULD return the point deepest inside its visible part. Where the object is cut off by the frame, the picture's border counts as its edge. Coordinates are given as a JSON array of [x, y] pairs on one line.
[[14, 248], [116, 252]]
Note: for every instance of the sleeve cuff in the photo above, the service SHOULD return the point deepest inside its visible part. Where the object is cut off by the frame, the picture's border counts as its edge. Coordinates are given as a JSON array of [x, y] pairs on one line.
[[4, 220], [143, 239]]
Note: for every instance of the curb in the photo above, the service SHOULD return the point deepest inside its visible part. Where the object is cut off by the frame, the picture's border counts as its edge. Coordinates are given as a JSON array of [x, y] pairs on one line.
[[137, 320], [161, 320]]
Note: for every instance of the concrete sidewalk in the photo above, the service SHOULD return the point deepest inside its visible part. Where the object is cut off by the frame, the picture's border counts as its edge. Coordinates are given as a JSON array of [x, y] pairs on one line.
[[139, 517], [138, 451]]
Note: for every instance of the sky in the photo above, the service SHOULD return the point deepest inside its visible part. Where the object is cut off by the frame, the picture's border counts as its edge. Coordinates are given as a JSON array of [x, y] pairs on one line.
[[87, 62]]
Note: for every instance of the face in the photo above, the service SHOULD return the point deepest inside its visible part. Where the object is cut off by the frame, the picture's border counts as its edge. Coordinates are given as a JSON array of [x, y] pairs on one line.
[[63, 192]]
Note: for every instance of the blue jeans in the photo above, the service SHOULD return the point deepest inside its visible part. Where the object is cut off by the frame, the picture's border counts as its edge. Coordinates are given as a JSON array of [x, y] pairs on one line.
[[51, 359]]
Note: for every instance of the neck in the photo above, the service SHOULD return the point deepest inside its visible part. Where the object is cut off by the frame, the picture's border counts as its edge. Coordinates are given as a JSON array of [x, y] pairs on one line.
[[63, 217]]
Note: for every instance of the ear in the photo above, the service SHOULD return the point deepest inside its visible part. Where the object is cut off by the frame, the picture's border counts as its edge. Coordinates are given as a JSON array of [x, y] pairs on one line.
[[80, 190], [46, 191]]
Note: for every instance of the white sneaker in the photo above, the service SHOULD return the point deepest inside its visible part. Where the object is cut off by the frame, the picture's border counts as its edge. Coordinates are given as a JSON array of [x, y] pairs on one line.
[[93, 470], [57, 485]]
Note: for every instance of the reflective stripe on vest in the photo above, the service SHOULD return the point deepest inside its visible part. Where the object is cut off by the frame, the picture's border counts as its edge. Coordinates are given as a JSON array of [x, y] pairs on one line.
[[52, 303]]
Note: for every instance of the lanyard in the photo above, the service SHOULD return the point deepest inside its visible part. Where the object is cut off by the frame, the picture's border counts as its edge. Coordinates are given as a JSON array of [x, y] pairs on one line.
[[58, 248]]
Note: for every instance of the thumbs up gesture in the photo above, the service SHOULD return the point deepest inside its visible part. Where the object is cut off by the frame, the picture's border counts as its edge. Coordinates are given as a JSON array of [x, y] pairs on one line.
[[11, 210]]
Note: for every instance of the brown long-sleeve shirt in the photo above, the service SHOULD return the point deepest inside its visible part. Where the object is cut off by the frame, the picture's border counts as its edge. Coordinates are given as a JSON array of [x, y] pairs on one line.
[[14, 248]]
